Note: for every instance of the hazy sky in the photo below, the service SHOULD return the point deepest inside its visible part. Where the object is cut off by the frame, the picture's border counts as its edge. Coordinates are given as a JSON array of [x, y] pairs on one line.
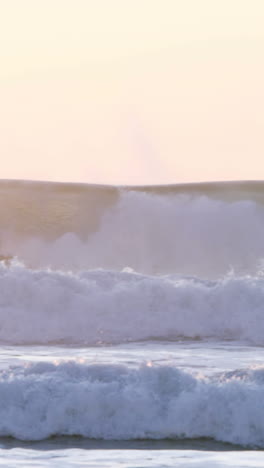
[[132, 91]]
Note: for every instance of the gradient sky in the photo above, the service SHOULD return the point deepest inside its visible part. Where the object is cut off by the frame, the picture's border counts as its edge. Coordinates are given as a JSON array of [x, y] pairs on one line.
[[132, 91]]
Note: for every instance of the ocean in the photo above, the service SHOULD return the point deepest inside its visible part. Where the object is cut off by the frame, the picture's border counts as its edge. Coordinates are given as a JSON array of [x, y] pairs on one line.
[[131, 325]]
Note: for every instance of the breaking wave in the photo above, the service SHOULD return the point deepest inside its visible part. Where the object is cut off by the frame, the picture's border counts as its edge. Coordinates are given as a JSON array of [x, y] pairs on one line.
[[94, 307], [194, 229], [41, 400], [115, 264]]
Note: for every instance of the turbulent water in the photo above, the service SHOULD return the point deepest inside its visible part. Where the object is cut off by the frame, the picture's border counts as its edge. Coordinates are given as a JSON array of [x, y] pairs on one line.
[[204, 230], [132, 271], [115, 402]]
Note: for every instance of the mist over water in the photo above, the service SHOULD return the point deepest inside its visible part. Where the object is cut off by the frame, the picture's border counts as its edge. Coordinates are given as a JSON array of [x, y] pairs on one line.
[[206, 230], [95, 264]]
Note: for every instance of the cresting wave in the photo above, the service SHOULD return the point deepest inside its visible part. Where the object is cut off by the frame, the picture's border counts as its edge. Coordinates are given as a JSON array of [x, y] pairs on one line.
[[40, 400], [95, 307], [194, 229]]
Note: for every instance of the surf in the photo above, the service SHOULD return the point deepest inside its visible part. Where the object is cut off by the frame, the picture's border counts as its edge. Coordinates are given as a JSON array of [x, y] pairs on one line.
[[106, 307], [117, 402], [202, 229]]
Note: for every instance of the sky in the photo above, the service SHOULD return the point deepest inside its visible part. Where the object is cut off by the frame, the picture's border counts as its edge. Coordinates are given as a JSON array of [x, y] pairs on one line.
[[132, 91]]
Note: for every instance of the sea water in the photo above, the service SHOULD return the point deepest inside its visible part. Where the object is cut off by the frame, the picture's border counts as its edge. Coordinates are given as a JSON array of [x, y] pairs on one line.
[[131, 325]]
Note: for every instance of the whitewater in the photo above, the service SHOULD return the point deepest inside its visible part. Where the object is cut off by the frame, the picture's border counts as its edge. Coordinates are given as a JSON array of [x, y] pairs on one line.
[[132, 322]]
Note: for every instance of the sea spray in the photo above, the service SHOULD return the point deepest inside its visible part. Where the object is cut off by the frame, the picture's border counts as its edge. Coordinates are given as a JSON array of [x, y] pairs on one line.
[[202, 230], [118, 402], [98, 306]]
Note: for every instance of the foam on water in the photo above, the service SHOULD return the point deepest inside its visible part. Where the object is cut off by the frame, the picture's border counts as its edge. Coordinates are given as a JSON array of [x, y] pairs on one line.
[[117, 402], [110, 307], [115, 264]]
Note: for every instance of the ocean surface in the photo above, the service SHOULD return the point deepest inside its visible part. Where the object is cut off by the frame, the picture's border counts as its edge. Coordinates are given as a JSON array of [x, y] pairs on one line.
[[131, 325]]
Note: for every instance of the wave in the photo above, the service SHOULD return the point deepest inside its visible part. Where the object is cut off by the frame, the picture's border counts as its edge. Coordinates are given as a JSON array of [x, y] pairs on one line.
[[116, 402], [193, 229], [94, 307]]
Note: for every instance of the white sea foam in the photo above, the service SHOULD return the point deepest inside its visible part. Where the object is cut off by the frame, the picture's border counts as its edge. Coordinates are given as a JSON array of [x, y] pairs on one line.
[[117, 402], [134, 265], [111, 307]]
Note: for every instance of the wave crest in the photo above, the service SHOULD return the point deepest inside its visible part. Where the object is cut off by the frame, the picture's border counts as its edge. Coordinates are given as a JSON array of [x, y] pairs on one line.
[[110, 307], [191, 229], [116, 402]]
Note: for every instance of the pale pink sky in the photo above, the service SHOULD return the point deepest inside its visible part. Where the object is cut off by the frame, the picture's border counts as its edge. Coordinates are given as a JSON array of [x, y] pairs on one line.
[[132, 91]]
